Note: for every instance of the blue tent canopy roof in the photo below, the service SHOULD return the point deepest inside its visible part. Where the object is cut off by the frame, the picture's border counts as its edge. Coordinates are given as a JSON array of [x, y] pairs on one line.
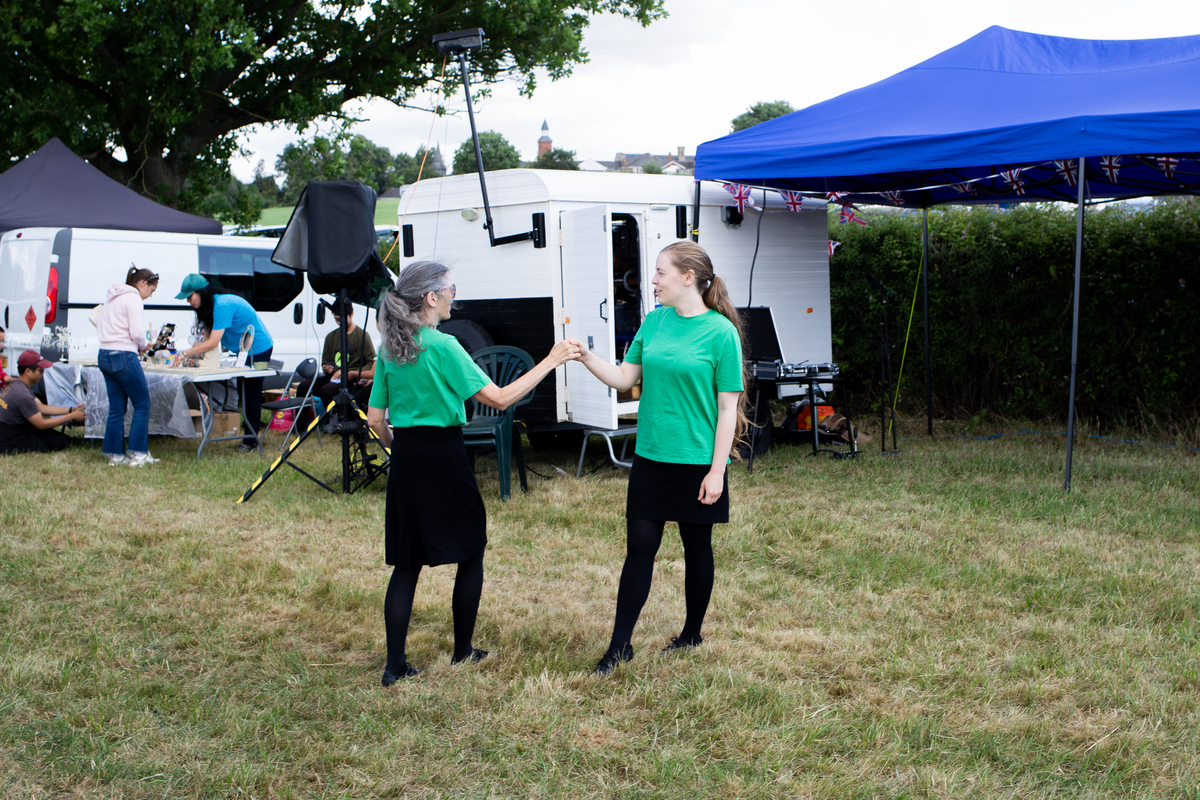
[[1000, 101]]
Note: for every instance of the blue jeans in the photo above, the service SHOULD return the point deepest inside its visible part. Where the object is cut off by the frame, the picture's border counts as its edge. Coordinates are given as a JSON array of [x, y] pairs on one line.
[[126, 382]]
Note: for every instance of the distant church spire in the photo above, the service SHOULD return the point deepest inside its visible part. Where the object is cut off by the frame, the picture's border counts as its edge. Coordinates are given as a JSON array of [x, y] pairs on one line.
[[544, 143]]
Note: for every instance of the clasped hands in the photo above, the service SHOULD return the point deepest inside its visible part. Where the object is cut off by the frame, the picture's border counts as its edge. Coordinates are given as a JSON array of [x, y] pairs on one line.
[[568, 350]]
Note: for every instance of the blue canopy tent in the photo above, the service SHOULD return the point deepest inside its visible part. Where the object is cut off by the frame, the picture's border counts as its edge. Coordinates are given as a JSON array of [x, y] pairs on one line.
[[1006, 116]]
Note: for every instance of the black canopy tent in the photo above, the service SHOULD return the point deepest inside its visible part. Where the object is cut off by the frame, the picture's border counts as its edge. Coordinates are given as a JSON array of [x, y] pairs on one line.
[[1006, 117], [56, 188]]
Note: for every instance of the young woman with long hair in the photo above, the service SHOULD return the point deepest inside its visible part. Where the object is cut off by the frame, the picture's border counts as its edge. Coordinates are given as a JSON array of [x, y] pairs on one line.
[[222, 318], [122, 341], [435, 514], [688, 356]]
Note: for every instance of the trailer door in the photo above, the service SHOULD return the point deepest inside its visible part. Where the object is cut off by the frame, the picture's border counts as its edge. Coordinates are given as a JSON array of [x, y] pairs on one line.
[[587, 301]]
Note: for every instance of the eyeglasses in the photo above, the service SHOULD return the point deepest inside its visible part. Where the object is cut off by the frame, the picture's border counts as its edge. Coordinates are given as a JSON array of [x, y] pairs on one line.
[[451, 288]]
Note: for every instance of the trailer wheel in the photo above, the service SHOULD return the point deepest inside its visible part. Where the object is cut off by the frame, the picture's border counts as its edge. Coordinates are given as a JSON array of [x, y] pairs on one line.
[[471, 335]]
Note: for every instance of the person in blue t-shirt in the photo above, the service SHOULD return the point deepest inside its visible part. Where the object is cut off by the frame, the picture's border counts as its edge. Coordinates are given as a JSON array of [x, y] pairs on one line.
[[222, 319]]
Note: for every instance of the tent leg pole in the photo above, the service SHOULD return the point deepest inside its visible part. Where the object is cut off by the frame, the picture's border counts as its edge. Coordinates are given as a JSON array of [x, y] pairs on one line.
[[925, 293], [1075, 324], [696, 215]]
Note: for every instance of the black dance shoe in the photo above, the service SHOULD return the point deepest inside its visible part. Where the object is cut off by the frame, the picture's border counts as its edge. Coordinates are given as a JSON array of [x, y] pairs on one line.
[[406, 671], [476, 656], [679, 643], [611, 659]]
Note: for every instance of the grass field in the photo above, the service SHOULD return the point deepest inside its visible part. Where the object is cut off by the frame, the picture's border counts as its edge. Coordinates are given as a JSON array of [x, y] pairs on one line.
[[942, 622], [385, 213]]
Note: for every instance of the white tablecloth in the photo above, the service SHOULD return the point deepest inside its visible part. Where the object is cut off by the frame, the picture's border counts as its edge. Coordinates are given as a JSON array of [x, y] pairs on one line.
[[169, 413]]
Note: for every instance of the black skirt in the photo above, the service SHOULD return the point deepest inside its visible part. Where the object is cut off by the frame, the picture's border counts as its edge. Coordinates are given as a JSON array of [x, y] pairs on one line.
[[435, 514], [662, 491]]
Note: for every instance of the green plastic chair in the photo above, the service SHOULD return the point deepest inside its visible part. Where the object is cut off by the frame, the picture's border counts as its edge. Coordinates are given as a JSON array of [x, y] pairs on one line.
[[491, 427]]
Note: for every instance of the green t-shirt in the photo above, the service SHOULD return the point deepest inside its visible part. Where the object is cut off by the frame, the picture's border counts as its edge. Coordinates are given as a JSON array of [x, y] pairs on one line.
[[432, 389], [359, 348], [685, 362]]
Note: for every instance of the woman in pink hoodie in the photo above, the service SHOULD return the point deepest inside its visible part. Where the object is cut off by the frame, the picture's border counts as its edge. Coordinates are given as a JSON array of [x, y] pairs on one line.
[[122, 340]]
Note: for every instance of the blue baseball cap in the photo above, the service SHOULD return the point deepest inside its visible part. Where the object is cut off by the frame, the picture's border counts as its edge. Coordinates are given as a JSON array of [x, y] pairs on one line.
[[190, 284]]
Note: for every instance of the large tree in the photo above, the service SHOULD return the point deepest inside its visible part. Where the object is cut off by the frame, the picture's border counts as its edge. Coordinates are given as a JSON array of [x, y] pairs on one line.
[[154, 93], [497, 153], [761, 112]]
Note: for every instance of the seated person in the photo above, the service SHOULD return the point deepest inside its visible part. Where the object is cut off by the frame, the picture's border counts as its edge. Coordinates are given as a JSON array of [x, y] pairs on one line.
[[361, 352], [25, 424]]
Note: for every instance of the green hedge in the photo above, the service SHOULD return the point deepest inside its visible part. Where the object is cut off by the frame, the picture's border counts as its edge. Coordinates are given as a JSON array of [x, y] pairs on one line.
[[1001, 284]]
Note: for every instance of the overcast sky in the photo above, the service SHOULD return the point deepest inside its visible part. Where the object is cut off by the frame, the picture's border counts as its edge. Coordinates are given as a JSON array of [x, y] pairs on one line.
[[680, 81]]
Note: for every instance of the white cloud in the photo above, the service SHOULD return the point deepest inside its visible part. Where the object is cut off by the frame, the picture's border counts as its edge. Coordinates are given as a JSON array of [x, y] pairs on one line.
[[680, 81]]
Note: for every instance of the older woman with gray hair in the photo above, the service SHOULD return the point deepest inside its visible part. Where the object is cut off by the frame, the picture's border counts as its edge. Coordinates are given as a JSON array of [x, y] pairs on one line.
[[435, 514]]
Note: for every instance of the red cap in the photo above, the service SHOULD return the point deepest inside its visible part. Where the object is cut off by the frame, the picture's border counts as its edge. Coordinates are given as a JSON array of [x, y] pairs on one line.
[[32, 358]]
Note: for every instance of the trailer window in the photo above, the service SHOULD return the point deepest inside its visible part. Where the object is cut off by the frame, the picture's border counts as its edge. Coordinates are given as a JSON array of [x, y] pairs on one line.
[[251, 275]]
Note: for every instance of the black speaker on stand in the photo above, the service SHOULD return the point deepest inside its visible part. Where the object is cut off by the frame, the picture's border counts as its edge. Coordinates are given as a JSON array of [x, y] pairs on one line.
[[331, 236]]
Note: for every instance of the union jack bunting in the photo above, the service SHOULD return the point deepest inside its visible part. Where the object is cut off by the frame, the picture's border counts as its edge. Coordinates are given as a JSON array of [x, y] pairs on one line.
[[833, 246], [848, 215], [1111, 166], [793, 200], [835, 197], [894, 197], [1013, 178], [1068, 170], [1168, 164], [741, 196], [964, 188]]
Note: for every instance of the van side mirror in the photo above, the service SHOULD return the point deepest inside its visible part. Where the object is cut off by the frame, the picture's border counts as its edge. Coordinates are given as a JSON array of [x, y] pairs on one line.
[[298, 313], [320, 313]]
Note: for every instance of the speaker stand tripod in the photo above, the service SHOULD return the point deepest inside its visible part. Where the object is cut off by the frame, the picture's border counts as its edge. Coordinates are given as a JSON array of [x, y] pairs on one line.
[[360, 467]]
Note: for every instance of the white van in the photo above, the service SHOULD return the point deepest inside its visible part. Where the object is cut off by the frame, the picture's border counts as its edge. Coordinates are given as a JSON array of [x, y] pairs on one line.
[[584, 270], [52, 278]]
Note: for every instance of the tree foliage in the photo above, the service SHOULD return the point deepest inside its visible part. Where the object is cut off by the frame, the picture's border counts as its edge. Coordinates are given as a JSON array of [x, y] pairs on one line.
[[761, 112], [496, 151], [556, 158], [154, 94], [344, 158], [1001, 286]]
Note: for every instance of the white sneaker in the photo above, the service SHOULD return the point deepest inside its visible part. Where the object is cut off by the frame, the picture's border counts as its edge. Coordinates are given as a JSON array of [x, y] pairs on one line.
[[141, 459], [117, 460]]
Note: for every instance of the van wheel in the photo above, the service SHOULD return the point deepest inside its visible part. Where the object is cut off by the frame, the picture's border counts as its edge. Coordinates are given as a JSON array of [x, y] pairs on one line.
[[471, 335]]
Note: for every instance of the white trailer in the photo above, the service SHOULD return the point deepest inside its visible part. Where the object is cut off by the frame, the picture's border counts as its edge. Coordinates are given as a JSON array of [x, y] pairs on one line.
[[52, 278], [590, 276]]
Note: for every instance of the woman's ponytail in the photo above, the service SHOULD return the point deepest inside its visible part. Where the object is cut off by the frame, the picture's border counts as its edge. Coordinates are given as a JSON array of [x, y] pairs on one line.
[[135, 276], [401, 314]]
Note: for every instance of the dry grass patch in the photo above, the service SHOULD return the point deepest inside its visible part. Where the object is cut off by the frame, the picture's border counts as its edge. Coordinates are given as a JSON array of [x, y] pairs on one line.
[[940, 623]]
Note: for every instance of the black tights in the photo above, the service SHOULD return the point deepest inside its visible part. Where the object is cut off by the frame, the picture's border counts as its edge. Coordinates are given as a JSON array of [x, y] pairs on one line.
[[644, 537], [398, 603]]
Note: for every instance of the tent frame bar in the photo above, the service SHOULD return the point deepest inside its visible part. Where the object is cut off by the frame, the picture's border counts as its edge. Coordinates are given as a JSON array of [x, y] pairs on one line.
[[1075, 322], [925, 296]]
